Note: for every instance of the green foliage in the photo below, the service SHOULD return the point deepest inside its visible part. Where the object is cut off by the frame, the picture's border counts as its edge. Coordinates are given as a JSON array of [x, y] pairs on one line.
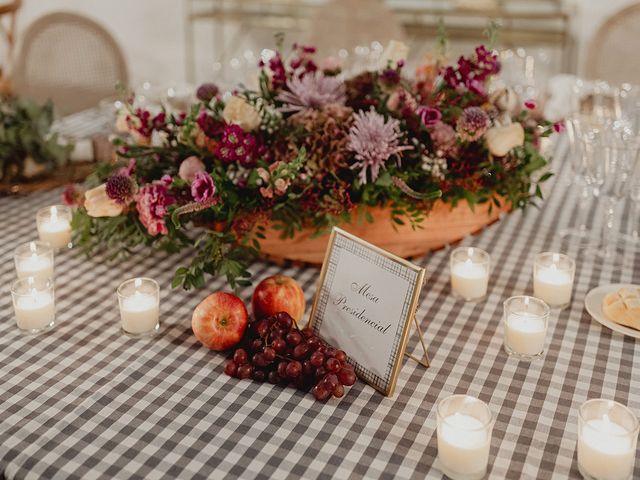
[[25, 132]]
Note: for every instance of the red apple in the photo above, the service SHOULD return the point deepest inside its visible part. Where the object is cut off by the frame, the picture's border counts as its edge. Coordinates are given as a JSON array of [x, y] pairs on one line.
[[219, 321], [275, 294]]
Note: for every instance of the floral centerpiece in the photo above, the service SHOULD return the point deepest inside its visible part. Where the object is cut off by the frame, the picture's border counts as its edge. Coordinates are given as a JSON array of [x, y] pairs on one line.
[[309, 148]]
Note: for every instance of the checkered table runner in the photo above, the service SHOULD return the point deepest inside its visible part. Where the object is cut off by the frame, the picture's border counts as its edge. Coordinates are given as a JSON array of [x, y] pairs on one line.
[[83, 401]]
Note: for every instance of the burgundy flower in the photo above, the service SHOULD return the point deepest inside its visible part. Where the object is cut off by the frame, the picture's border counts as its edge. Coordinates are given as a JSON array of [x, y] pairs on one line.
[[278, 72], [203, 189], [559, 127], [207, 91], [430, 116], [152, 202], [530, 104], [237, 146], [121, 188], [71, 195], [209, 125]]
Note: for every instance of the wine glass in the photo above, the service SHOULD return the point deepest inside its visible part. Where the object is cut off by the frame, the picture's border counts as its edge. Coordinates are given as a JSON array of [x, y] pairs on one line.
[[611, 158]]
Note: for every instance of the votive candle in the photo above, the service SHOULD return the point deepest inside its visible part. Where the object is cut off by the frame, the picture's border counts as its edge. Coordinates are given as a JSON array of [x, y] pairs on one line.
[[553, 278], [34, 259], [54, 226], [526, 321], [469, 273], [34, 304], [607, 440], [139, 300], [464, 428]]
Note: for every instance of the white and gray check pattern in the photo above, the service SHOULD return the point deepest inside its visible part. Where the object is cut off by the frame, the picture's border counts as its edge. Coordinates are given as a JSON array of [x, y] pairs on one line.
[[83, 401]]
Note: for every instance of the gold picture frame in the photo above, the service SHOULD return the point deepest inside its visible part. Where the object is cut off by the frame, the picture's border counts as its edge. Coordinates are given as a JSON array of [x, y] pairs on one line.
[[410, 277]]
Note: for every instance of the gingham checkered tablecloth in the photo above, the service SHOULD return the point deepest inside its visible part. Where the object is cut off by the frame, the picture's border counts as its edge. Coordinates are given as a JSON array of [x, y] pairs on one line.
[[83, 401]]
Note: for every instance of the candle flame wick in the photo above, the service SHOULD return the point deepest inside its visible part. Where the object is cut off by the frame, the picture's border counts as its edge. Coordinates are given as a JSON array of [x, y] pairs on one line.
[[54, 214], [556, 258], [32, 247], [470, 252]]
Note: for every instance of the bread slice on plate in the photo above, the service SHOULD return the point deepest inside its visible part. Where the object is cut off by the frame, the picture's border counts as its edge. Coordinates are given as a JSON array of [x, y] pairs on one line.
[[623, 307]]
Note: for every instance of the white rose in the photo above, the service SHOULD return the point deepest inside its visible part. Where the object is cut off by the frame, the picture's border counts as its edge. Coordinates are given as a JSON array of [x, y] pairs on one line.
[[98, 204], [394, 52], [240, 112], [502, 139]]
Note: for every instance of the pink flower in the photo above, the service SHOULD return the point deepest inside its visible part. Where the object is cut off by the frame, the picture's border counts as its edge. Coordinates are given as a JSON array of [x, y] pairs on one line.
[[129, 169], [559, 127], [152, 202], [238, 146], [189, 167], [430, 116], [443, 137], [530, 104], [203, 189], [71, 195]]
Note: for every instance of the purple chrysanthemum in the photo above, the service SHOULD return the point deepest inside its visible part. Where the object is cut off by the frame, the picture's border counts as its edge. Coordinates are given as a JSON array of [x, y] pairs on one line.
[[203, 189], [472, 123], [312, 91], [121, 188], [373, 140], [207, 91]]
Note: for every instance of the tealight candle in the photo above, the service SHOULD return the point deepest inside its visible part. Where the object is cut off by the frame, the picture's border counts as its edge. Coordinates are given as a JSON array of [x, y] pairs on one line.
[[525, 326], [54, 226], [607, 438], [464, 426], [469, 273], [34, 304], [34, 259], [553, 278], [139, 300]]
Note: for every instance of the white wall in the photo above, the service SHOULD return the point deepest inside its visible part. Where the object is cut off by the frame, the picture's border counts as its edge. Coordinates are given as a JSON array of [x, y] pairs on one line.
[[152, 34]]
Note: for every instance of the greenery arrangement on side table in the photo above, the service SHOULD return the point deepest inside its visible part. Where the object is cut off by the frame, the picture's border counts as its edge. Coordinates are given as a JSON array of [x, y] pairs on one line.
[[309, 148], [26, 141]]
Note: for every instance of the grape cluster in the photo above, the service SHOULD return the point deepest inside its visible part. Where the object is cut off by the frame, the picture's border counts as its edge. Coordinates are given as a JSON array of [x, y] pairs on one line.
[[275, 350]]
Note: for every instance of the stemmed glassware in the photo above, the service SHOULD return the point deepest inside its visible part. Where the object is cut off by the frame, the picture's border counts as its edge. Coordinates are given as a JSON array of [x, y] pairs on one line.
[[611, 154]]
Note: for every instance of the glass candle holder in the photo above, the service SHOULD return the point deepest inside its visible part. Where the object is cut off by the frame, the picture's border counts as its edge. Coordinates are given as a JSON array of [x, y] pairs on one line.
[[525, 326], [34, 304], [469, 273], [34, 259], [553, 278], [464, 426], [139, 300], [54, 226], [607, 439]]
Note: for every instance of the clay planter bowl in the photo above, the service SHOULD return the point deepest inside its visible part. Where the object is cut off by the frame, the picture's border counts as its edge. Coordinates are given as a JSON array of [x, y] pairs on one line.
[[444, 225]]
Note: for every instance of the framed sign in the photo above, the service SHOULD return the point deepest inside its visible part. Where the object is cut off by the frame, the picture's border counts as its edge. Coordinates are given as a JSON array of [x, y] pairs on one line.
[[365, 303]]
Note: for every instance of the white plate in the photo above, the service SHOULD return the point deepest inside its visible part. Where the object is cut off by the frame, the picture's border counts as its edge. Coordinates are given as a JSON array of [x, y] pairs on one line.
[[593, 304]]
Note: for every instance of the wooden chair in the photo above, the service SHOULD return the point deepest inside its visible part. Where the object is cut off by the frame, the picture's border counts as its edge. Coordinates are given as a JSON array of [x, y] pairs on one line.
[[8, 11], [613, 52], [70, 59]]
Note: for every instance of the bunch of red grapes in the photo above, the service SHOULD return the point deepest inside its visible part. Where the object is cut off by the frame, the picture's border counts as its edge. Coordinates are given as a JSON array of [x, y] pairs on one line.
[[275, 350]]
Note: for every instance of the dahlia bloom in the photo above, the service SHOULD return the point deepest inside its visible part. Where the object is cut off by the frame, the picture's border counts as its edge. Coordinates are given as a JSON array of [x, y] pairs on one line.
[[152, 202], [203, 189], [472, 123], [373, 140], [312, 91]]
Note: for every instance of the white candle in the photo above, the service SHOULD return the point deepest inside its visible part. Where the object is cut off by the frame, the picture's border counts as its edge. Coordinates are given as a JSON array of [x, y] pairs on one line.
[[469, 280], [463, 446], [553, 283], [34, 311], [139, 306], [34, 260], [525, 333], [605, 450], [55, 228]]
